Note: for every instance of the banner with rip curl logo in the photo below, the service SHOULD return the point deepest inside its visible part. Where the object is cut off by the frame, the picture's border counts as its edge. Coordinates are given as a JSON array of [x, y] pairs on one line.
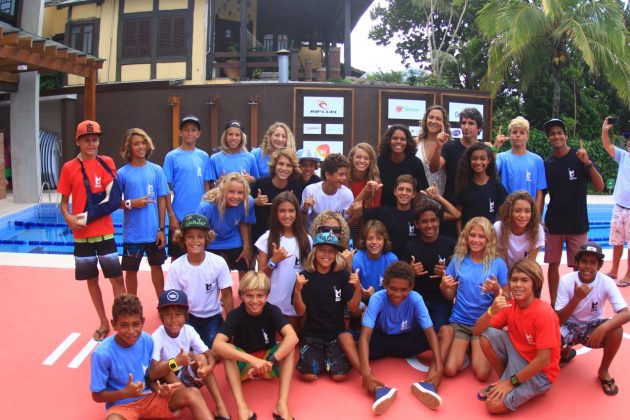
[[323, 106]]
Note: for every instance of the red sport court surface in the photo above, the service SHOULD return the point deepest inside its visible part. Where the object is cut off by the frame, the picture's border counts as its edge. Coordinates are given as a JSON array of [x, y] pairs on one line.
[[45, 308]]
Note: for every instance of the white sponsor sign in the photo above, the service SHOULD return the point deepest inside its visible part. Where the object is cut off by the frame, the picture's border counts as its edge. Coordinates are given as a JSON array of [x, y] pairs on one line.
[[312, 129], [323, 106], [334, 129], [405, 109], [415, 130], [454, 108], [324, 147]]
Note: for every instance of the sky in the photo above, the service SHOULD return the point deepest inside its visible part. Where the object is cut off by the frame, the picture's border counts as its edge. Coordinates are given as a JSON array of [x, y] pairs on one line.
[[368, 56]]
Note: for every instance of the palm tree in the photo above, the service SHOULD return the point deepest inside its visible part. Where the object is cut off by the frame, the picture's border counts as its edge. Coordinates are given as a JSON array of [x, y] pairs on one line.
[[532, 37]]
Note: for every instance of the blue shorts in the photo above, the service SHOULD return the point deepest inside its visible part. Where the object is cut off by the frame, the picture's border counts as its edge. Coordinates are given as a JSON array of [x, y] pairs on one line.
[[88, 252], [318, 356], [207, 328], [133, 253]]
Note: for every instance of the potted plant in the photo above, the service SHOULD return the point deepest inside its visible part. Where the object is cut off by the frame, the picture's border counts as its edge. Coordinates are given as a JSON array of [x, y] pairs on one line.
[[232, 68]]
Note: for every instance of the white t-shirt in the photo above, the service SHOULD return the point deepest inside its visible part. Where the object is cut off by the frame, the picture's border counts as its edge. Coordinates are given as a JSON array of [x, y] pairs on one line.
[[283, 276], [518, 245], [339, 202], [202, 283], [166, 347], [591, 308]]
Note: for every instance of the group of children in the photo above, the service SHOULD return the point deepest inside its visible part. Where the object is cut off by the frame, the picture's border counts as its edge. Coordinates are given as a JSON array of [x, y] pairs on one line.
[[407, 290]]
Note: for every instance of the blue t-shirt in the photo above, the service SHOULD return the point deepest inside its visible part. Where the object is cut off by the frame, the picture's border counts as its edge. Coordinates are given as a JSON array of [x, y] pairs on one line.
[[621, 193], [111, 365], [470, 301], [521, 172], [227, 228], [140, 225], [186, 171], [392, 319], [223, 163], [371, 271], [262, 162]]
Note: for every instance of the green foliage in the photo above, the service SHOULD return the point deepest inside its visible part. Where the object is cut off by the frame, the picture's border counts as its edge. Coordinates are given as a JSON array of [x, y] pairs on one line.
[[392, 76], [51, 80]]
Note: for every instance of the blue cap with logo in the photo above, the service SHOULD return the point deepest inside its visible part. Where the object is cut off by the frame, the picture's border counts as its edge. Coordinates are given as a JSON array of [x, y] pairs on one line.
[[327, 238], [307, 154], [173, 297]]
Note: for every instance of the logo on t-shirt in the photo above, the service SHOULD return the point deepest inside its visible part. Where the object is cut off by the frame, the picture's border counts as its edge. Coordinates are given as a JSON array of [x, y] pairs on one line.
[[404, 325], [594, 306], [97, 182], [572, 176], [265, 336], [528, 176], [337, 294], [412, 229], [530, 338], [298, 262], [208, 288], [490, 206], [150, 189], [380, 281], [199, 171]]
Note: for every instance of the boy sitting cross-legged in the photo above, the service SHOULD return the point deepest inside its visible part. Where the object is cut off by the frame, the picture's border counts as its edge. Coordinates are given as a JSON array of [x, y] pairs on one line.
[[119, 371], [179, 354], [397, 324], [247, 343], [580, 306]]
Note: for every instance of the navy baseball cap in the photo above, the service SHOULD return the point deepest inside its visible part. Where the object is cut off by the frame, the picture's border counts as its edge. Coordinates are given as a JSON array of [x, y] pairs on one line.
[[553, 123], [190, 118], [592, 248], [173, 297], [233, 124]]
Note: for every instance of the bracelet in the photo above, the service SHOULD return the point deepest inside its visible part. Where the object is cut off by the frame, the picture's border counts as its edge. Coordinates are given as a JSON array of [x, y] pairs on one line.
[[272, 359], [489, 311], [161, 229], [589, 166], [171, 213], [271, 264], [493, 149]]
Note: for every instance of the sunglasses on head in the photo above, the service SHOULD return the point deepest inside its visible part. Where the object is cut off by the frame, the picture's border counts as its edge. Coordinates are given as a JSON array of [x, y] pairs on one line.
[[333, 229]]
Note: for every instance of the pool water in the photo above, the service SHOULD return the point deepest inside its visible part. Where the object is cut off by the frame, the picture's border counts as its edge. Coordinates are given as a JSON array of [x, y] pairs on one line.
[[41, 229]]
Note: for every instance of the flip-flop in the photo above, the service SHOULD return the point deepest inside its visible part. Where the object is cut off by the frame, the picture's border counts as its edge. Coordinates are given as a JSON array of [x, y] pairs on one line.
[[608, 386], [623, 283], [100, 334], [566, 359], [612, 276], [217, 417], [278, 417], [483, 394]]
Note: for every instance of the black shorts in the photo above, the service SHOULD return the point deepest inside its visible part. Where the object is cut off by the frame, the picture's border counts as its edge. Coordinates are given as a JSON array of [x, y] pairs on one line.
[[230, 256], [317, 356], [174, 250], [88, 251], [133, 253], [399, 345]]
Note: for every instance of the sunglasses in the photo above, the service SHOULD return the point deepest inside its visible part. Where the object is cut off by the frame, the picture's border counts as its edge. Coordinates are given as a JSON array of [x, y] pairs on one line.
[[333, 229]]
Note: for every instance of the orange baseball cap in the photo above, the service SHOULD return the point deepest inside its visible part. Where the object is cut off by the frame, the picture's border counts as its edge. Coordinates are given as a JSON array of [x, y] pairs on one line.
[[88, 127]]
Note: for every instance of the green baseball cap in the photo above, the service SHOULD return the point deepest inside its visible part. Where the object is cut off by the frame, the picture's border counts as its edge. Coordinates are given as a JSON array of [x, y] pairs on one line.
[[194, 221]]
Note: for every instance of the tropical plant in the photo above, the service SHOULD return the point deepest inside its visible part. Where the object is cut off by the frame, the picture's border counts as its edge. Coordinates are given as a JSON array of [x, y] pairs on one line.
[[529, 38]]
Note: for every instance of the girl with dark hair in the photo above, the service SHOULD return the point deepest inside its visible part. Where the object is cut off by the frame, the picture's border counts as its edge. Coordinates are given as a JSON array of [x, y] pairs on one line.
[[396, 156], [282, 250], [478, 192]]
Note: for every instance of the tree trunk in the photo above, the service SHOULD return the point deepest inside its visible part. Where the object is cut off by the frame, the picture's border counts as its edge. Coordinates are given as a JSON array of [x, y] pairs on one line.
[[555, 109]]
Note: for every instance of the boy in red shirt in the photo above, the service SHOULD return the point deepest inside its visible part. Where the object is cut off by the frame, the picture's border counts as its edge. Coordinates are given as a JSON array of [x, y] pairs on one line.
[[527, 356], [94, 239]]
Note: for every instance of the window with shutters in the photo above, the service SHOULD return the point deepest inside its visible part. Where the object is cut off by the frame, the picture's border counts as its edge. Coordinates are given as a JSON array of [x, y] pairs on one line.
[[136, 38], [171, 40], [83, 36]]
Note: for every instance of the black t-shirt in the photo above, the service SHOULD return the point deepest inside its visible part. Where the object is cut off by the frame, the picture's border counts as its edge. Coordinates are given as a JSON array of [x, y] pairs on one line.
[[428, 253], [389, 171], [452, 152], [399, 224], [567, 183], [253, 333], [325, 297], [265, 185], [481, 200]]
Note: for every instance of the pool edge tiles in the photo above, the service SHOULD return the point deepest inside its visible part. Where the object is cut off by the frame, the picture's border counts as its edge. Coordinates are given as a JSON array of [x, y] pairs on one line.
[[36, 260]]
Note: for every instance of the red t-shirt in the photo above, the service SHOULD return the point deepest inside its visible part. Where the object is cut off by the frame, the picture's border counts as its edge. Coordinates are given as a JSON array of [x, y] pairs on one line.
[[71, 185], [357, 186], [530, 329]]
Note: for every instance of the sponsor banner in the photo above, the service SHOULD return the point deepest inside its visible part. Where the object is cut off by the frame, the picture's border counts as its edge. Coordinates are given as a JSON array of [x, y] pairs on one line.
[[405, 109], [415, 130], [323, 106], [312, 129], [454, 108], [334, 129], [324, 147]]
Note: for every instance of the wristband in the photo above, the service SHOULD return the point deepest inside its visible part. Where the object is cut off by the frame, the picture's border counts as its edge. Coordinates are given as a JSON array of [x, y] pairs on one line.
[[514, 381], [161, 229], [272, 359], [171, 213], [589, 166], [271, 264], [128, 204], [493, 149], [173, 366], [489, 311]]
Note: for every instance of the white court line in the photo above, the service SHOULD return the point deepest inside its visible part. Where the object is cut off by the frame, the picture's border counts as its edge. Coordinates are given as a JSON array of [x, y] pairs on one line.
[[50, 360], [85, 352]]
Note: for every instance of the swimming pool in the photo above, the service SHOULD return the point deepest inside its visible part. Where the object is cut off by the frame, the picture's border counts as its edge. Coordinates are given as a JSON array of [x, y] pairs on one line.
[[40, 229]]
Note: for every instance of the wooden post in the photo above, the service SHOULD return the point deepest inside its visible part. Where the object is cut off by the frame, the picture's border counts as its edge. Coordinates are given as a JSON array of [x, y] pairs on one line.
[[243, 41], [89, 106], [3, 180], [347, 43], [214, 122], [173, 101], [253, 121]]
